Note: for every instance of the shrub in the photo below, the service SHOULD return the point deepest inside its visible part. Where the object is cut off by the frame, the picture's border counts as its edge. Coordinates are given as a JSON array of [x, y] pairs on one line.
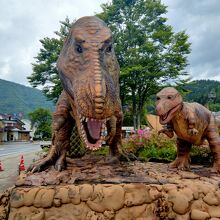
[[160, 148], [136, 141], [103, 151], [148, 145]]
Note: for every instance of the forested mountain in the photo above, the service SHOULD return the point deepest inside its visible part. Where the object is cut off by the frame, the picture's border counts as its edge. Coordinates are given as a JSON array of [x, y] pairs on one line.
[[205, 92], [16, 98]]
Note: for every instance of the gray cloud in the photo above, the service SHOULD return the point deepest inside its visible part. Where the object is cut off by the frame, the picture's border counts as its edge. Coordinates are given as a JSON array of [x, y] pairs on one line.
[[200, 20], [23, 23]]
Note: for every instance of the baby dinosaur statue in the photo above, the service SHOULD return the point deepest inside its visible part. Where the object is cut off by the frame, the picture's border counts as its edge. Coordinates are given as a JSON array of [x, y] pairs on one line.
[[89, 73], [191, 122]]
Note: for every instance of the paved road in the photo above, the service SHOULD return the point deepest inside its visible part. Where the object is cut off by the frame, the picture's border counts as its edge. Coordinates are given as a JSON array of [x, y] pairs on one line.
[[18, 148], [10, 155]]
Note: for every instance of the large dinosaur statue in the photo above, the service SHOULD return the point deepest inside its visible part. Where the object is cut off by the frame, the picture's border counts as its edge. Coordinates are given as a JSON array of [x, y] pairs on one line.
[[89, 72], [191, 122]]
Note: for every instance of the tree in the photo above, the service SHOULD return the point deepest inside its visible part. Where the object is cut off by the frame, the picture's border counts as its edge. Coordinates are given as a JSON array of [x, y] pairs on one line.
[[44, 70], [181, 86], [205, 92], [41, 119], [150, 54]]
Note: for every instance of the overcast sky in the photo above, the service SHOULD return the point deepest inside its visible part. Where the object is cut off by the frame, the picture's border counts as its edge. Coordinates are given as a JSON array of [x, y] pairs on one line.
[[24, 22]]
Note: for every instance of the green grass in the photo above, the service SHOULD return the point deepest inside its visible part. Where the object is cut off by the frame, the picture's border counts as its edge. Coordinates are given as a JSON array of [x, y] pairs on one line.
[[158, 154]]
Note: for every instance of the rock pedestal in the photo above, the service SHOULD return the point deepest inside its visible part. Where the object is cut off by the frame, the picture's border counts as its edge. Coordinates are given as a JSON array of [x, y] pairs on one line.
[[93, 189]]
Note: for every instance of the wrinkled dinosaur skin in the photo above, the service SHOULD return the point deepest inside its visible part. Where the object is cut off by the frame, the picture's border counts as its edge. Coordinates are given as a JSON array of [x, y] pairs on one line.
[[89, 72], [191, 122]]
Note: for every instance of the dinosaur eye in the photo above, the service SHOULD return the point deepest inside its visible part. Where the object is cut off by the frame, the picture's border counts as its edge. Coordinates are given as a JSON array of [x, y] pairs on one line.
[[79, 48], [169, 97], [109, 49], [157, 98]]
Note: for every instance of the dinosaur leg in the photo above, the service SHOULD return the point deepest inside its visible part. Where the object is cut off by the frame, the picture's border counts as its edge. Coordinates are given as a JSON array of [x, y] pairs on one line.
[[214, 143], [116, 153], [182, 160], [61, 125], [114, 135], [113, 128], [114, 138]]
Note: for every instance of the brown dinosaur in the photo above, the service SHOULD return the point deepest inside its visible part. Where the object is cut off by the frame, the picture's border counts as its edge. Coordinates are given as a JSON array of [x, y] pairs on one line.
[[89, 72], [191, 122]]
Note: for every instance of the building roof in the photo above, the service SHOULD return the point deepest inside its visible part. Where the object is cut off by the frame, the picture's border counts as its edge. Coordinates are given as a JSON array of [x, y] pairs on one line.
[[153, 121]]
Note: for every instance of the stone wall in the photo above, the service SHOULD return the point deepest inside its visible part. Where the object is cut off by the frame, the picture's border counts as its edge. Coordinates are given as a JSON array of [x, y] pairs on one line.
[[4, 204], [190, 200]]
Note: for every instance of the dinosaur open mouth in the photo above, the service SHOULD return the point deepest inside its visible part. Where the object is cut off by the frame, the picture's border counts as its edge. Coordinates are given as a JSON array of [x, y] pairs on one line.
[[93, 132], [165, 118]]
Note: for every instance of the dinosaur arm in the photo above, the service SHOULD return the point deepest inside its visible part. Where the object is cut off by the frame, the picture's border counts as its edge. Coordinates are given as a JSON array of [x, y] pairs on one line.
[[191, 122], [60, 137], [167, 130]]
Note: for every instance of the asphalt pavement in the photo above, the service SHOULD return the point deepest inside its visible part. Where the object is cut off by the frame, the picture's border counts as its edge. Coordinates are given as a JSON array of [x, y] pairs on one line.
[[17, 148], [10, 155]]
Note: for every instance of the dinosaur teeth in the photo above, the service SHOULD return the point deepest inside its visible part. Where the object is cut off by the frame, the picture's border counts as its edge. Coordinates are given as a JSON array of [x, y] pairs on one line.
[[93, 147], [101, 122]]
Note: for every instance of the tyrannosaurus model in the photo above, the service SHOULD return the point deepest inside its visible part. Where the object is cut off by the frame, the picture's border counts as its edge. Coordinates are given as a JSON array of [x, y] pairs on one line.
[[89, 73], [191, 122]]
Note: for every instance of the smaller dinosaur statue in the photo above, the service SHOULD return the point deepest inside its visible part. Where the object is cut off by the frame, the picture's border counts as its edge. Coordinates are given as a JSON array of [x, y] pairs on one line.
[[192, 123]]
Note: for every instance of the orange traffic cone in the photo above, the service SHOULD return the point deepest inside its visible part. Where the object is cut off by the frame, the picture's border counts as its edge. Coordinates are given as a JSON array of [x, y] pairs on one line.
[[1, 167], [21, 165]]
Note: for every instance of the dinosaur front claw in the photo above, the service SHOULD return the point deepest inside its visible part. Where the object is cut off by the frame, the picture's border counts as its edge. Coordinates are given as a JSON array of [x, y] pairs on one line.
[[33, 168], [42, 164]]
